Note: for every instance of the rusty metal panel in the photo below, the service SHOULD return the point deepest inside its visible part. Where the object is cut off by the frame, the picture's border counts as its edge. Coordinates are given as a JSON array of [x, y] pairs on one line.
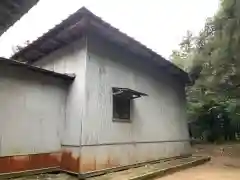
[[70, 159], [95, 158], [9, 164], [4, 164], [102, 157], [19, 163]]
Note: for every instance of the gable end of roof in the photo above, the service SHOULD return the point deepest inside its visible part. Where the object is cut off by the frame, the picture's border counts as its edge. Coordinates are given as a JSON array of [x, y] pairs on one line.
[[76, 26]]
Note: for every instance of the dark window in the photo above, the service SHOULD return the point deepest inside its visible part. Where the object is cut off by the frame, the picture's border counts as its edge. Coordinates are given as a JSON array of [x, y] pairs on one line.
[[121, 108], [122, 99]]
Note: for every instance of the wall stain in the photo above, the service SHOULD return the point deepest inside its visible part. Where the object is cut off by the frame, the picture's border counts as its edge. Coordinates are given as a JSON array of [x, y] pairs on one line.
[[88, 165], [68, 162], [18, 163], [5, 164], [91, 164]]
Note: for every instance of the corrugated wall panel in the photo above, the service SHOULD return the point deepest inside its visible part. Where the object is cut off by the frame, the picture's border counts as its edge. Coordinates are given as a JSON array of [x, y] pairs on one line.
[[152, 117], [70, 59], [155, 119], [108, 156], [32, 107]]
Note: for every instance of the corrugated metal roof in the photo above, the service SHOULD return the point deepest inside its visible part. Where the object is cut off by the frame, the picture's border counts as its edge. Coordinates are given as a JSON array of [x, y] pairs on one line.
[[83, 22], [36, 69], [13, 10]]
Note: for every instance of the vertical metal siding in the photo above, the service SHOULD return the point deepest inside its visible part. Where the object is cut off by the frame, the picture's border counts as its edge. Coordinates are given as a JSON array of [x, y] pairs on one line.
[[31, 109], [158, 117], [70, 59], [153, 117]]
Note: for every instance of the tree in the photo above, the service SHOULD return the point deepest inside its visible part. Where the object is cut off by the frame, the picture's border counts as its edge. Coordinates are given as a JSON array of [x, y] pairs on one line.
[[182, 57], [212, 59], [17, 48]]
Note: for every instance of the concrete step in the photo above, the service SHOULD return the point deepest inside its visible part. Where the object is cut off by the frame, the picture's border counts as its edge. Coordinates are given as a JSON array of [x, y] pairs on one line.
[[150, 171]]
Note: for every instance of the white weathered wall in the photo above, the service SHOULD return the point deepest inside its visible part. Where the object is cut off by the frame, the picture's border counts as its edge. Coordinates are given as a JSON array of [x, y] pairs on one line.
[[32, 108], [70, 59], [157, 117]]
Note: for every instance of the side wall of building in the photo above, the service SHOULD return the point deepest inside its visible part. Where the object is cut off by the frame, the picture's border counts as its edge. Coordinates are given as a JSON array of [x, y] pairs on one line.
[[32, 108], [158, 126], [70, 59]]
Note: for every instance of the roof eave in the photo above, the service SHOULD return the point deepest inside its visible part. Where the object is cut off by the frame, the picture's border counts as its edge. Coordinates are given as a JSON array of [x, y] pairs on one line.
[[12, 11], [69, 77], [83, 20]]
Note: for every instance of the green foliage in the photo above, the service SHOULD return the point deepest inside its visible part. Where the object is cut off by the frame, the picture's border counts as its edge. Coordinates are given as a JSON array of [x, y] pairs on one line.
[[212, 58], [185, 52]]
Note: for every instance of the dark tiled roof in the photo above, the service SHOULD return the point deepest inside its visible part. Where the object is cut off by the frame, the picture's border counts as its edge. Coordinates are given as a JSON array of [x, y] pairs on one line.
[[8, 62], [84, 21], [13, 10]]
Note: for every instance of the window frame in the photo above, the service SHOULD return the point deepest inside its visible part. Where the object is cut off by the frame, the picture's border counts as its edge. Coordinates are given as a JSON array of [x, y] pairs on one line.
[[125, 94], [121, 119]]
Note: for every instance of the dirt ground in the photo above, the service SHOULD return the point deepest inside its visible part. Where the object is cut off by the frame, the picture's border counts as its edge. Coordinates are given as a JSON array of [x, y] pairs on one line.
[[224, 165]]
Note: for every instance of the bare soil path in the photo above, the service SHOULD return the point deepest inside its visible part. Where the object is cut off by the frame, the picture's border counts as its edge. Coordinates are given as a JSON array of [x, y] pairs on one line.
[[225, 164]]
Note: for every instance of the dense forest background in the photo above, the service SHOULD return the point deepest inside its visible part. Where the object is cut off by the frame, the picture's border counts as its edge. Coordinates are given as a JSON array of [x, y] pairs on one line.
[[212, 59]]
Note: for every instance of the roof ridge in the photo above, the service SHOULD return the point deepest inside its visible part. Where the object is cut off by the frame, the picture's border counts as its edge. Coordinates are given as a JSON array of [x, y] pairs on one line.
[[74, 27]]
